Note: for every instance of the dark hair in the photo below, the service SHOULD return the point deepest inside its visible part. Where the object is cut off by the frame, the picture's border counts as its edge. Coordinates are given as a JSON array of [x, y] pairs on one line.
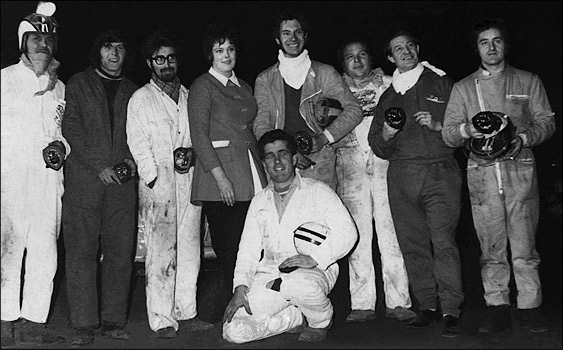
[[340, 51], [486, 24], [218, 33], [108, 37], [387, 48], [158, 39], [288, 15], [276, 135]]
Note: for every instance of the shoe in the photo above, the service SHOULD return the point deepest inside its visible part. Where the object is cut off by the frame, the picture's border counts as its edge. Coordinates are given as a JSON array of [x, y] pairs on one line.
[[299, 328], [452, 326], [357, 316], [82, 336], [8, 334], [425, 319], [533, 320], [114, 331], [498, 320], [37, 333], [314, 335], [400, 313], [195, 325], [168, 332]]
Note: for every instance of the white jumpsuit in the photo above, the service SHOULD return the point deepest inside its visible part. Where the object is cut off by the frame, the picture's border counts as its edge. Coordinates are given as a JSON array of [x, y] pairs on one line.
[[156, 126], [303, 292], [362, 186], [31, 193]]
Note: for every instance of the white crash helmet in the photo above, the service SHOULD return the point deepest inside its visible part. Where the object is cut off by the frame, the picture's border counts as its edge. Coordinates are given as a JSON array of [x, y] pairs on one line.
[[309, 237], [41, 21]]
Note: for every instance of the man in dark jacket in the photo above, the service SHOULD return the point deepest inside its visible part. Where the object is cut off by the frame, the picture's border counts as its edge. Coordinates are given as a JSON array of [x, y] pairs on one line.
[[97, 205], [424, 181], [288, 93]]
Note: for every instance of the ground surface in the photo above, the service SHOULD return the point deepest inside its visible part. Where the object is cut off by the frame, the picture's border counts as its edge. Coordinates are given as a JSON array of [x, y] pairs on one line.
[[381, 333]]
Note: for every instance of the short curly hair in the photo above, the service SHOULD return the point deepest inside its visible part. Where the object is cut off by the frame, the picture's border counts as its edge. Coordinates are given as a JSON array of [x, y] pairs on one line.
[[108, 37], [158, 39], [218, 33]]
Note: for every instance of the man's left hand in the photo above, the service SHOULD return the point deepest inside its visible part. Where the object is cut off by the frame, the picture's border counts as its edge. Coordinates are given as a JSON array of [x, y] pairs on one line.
[[515, 147], [300, 260]]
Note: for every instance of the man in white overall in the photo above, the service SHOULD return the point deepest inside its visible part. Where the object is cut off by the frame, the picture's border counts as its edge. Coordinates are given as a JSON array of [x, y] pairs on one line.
[[362, 186], [268, 299], [32, 109], [158, 135]]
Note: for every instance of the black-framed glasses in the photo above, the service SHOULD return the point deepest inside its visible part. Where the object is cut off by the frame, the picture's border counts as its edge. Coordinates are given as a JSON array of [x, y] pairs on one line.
[[161, 59]]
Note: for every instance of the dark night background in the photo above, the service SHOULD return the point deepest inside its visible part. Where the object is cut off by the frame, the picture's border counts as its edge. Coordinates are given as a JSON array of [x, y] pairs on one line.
[[443, 27]]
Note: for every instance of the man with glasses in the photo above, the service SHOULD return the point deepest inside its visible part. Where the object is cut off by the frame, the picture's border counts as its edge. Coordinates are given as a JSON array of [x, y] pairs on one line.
[[158, 135], [99, 205]]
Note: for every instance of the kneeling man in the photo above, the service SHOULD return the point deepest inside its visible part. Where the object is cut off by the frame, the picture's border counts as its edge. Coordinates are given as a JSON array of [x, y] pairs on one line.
[[295, 231]]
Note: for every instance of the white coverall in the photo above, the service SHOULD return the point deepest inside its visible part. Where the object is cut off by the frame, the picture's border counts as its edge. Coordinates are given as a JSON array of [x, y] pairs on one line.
[[156, 126], [303, 292], [362, 186], [31, 193]]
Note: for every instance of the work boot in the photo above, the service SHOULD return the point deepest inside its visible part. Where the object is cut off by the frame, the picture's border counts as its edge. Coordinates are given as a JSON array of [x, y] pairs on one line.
[[452, 326], [114, 330], [357, 316], [8, 333], [498, 320], [168, 332], [425, 319], [400, 313], [37, 333], [533, 320], [82, 336], [300, 328], [314, 335], [194, 325]]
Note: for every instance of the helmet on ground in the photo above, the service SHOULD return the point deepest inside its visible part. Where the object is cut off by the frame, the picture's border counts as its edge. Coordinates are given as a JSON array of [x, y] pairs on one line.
[[499, 132], [309, 237], [42, 21]]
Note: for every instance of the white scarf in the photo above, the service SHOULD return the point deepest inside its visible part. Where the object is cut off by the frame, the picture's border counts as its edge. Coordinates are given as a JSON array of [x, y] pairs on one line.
[[404, 81], [294, 70]]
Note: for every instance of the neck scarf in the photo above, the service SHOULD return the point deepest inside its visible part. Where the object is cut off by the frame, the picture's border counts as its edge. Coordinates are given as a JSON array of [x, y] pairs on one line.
[[294, 70], [375, 77], [171, 88], [40, 64], [404, 81]]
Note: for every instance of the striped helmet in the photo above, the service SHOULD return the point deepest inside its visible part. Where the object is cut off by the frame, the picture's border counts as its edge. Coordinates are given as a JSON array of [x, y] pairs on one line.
[[309, 237], [42, 21]]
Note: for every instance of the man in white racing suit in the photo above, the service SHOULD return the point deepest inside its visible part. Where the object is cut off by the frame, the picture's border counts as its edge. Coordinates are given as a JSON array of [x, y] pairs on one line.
[[32, 109], [268, 299]]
